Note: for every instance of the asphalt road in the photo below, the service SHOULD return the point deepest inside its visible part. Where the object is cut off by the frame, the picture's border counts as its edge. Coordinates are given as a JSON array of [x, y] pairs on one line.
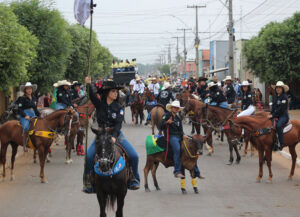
[[226, 191]]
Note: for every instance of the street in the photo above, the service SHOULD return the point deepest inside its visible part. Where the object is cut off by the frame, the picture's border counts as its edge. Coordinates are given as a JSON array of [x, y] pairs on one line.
[[225, 191]]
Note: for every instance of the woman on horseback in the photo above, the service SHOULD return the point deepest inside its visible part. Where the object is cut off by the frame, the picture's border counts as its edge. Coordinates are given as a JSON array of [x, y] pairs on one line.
[[27, 107], [216, 95], [63, 94], [110, 114], [247, 102], [172, 127], [280, 110], [229, 90]]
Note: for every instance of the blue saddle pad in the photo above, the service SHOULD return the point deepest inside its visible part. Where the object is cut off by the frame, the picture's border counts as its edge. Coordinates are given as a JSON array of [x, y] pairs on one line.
[[119, 166]]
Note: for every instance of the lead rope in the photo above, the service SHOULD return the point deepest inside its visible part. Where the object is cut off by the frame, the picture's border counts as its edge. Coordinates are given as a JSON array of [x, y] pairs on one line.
[[167, 143]]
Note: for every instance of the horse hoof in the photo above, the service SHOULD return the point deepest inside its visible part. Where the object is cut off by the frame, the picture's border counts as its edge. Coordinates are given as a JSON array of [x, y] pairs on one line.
[[269, 181], [48, 161], [158, 188], [67, 162], [183, 191], [12, 178], [147, 190], [258, 180], [34, 162], [290, 178], [229, 163], [44, 181], [244, 155], [196, 191]]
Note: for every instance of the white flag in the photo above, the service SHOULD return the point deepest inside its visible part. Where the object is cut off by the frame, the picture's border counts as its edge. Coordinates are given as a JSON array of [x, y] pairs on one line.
[[82, 10]]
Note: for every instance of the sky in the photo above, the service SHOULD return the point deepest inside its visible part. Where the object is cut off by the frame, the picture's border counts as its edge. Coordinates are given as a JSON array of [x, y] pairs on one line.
[[143, 29]]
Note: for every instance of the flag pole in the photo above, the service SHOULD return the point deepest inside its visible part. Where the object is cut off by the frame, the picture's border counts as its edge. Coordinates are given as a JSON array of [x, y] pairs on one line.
[[87, 86]]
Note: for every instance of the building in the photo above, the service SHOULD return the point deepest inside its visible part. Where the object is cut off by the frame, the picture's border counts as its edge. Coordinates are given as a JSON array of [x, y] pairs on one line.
[[190, 68], [219, 57], [204, 62]]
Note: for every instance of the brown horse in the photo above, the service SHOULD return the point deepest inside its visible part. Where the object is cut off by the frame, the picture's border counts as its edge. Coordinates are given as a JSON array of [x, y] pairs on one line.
[[156, 117], [262, 137], [137, 108], [149, 97], [11, 133], [190, 150]]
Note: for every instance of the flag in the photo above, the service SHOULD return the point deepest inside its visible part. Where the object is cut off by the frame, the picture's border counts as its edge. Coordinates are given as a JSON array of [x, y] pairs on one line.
[[82, 10]]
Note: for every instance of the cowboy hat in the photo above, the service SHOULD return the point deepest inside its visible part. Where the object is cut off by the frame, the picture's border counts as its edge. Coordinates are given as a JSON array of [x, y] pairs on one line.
[[166, 85], [28, 84], [284, 86], [76, 83], [63, 83], [55, 84], [212, 84], [137, 78], [175, 104], [202, 79], [245, 83], [228, 78], [109, 85]]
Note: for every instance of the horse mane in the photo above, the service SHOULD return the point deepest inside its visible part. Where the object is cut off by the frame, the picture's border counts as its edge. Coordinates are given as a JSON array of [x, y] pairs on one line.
[[250, 120], [54, 114]]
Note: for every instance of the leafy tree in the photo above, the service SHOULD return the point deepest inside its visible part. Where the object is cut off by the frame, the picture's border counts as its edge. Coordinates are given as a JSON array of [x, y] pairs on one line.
[[54, 48], [17, 49], [165, 69], [274, 54]]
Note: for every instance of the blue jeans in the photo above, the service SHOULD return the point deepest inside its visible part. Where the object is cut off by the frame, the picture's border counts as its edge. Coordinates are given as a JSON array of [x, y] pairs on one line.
[[282, 121], [222, 104], [133, 157], [24, 122], [61, 106], [175, 144], [197, 171]]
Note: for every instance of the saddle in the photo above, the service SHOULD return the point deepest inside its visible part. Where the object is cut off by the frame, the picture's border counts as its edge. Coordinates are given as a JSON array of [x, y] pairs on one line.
[[287, 127]]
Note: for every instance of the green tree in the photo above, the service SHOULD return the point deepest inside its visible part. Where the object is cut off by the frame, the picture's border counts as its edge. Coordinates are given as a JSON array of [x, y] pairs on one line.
[[17, 49], [274, 54], [165, 69], [54, 48], [101, 58]]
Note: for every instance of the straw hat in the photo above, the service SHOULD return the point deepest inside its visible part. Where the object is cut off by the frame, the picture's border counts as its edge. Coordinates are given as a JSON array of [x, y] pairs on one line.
[[28, 84], [228, 78], [284, 86], [137, 78], [166, 85], [212, 84], [176, 104], [245, 83], [55, 84]]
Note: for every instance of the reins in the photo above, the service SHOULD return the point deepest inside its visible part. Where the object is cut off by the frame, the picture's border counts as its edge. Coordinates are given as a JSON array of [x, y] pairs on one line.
[[188, 151]]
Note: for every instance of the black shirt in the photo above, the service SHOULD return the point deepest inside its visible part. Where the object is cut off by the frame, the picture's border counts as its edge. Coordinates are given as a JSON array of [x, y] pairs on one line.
[[109, 115], [164, 97], [230, 93], [246, 100], [202, 92], [24, 103], [64, 96], [216, 95], [175, 128], [74, 94], [280, 106]]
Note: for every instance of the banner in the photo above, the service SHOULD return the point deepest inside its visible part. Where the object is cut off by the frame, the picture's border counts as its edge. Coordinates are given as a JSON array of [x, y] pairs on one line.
[[82, 10]]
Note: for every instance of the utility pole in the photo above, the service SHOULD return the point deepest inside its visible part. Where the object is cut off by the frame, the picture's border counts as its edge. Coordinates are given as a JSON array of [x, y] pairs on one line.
[[184, 50], [177, 49], [230, 31], [197, 40]]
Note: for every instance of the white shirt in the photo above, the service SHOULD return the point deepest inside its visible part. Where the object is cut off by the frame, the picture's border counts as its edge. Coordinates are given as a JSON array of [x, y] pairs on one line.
[[132, 82], [139, 87], [154, 88]]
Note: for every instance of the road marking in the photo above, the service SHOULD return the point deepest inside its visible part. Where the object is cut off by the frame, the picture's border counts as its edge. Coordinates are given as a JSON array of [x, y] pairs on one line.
[[288, 156]]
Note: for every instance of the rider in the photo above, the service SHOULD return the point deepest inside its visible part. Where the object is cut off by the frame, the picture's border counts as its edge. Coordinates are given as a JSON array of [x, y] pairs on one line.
[[172, 124], [202, 89], [247, 102], [229, 90], [280, 110], [27, 106], [154, 87], [64, 98], [138, 86], [110, 113], [165, 95], [216, 95], [74, 90]]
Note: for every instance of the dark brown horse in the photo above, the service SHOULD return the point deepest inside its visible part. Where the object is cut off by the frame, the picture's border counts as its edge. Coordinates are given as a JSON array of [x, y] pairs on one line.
[[137, 108], [109, 188], [156, 117], [262, 137], [42, 137], [190, 150]]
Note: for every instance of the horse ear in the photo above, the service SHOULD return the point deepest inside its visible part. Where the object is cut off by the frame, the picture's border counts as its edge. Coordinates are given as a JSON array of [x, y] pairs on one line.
[[95, 130]]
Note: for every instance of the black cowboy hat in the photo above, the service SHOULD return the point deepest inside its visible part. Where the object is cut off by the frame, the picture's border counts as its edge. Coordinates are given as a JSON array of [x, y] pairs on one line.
[[109, 85], [202, 79]]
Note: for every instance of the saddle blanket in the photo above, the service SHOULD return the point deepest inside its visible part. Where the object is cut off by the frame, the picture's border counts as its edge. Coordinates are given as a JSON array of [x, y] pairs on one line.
[[287, 128], [119, 166]]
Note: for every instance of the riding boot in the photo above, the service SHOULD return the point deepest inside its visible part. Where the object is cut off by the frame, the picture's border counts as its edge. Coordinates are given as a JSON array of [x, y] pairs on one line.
[[81, 150]]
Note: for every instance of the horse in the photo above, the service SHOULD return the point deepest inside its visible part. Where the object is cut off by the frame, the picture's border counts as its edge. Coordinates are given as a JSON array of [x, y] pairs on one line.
[[41, 134], [190, 149], [150, 100], [137, 108], [156, 118], [110, 187], [122, 99], [262, 133]]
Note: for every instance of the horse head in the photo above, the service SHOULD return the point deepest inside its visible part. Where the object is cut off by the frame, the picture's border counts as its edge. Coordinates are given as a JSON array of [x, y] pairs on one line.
[[198, 140], [105, 149]]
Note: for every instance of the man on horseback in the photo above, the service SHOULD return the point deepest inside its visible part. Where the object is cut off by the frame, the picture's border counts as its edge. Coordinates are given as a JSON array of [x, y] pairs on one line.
[[154, 87], [216, 95], [247, 102], [110, 114], [27, 107], [202, 88], [229, 90], [165, 95], [280, 110], [64, 97]]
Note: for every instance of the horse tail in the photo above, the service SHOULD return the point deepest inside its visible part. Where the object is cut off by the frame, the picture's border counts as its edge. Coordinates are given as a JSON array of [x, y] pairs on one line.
[[111, 200]]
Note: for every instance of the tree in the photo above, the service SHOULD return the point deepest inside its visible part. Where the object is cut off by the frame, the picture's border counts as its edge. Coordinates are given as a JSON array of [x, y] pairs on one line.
[[17, 49], [165, 69], [274, 54], [54, 48]]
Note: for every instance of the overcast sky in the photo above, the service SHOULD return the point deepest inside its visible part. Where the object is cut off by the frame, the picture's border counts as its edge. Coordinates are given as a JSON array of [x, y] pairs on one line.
[[144, 28]]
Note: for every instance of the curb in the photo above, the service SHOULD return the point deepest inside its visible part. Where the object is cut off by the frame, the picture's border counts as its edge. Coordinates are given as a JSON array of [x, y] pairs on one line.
[[288, 156]]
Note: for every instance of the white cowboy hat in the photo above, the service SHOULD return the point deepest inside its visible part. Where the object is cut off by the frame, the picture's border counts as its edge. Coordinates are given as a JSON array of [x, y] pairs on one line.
[[245, 83], [28, 84], [137, 78], [211, 84], [166, 85], [227, 78], [63, 83], [176, 104], [55, 84], [284, 86]]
